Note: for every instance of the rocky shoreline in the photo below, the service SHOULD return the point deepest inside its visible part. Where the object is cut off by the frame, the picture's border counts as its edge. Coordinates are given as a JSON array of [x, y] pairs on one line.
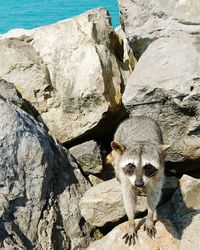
[[64, 88]]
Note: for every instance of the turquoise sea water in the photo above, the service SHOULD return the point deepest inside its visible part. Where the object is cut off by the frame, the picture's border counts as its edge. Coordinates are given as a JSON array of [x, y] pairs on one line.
[[30, 14]]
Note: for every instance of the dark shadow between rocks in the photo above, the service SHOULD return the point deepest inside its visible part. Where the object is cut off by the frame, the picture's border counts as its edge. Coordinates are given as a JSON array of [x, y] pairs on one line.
[[189, 167], [103, 132], [177, 213], [111, 225]]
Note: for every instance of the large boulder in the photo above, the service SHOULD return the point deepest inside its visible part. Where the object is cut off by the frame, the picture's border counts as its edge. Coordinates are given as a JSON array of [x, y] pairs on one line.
[[40, 185], [71, 71], [165, 88], [103, 203], [183, 206], [21, 64], [144, 21], [166, 238], [161, 66]]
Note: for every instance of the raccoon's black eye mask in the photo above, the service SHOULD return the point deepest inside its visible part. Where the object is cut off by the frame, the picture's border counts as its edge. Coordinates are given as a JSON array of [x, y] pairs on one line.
[[129, 169], [149, 170]]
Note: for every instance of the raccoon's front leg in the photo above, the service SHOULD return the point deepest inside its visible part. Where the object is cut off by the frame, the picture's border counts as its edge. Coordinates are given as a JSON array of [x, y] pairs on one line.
[[129, 198], [153, 197]]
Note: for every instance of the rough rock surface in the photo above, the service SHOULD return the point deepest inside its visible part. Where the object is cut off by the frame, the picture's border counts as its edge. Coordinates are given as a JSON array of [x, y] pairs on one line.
[[21, 64], [88, 157], [166, 236], [40, 186], [178, 118], [167, 90], [191, 235], [184, 204], [89, 45], [144, 21], [103, 203], [188, 190], [9, 91], [161, 66], [70, 71], [72, 76]]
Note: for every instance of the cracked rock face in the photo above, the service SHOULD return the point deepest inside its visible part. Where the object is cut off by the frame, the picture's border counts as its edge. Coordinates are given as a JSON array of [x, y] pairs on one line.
[[144, 21], [165, 88], [21, 65], [26, 169], [40, 186], [168, 63], [70, 71]]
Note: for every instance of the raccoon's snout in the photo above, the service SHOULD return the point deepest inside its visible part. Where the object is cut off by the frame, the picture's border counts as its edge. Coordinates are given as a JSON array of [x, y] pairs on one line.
[[139, 183]]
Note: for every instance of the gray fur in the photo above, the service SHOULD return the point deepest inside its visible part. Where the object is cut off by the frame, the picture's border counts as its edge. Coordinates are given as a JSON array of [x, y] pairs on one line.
[[138, 129], [138, 141]]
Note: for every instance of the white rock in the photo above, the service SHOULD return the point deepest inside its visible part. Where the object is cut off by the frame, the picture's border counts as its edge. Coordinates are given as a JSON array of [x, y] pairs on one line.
[[81, 58], [161, 66], [165, 239], [103, 203]]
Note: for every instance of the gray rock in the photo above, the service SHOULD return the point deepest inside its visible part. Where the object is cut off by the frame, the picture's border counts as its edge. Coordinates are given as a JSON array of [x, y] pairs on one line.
[[178, 118], [144, 21], [8, 91], [40, 185], [161, 66], [164, 88], [183, 206], [103, 203], [88, 157], [185, 198], [21, 65]]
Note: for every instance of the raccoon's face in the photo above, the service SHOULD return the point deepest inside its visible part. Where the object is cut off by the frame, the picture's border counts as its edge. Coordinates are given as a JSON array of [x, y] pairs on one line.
[[141, 163], [139, 175]]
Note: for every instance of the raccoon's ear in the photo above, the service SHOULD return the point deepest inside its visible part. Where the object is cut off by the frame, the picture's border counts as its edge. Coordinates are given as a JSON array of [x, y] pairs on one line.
[[119, 148], [165, 147]]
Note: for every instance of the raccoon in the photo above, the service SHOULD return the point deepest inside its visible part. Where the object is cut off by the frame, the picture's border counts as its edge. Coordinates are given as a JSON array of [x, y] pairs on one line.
[[138, 158]]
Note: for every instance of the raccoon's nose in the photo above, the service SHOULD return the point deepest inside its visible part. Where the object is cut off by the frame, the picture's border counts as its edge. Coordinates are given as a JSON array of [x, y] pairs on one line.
[[139, 183]]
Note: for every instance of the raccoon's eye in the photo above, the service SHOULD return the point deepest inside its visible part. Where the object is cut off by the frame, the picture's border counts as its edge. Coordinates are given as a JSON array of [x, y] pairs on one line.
[[150, 170], [129, 169]]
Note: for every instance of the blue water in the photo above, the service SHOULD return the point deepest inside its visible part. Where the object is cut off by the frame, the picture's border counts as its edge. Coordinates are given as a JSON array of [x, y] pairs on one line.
[[30, 14]]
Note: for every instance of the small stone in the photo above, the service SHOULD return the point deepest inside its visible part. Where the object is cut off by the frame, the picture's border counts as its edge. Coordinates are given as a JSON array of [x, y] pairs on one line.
[[88, 157]]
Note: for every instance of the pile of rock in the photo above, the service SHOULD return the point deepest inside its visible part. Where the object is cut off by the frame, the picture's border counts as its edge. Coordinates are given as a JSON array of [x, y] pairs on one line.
[[73, 82]]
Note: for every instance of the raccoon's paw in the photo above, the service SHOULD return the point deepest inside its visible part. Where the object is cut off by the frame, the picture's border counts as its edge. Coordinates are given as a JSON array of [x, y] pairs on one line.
[[130, 237], [150, 228]]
